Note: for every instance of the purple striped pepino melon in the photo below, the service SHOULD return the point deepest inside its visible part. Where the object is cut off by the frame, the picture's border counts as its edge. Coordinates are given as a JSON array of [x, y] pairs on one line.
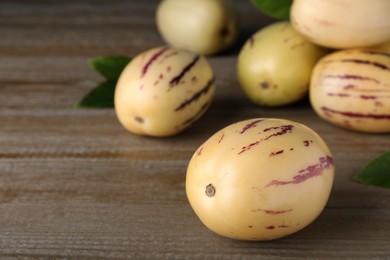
[[342, 24], [260, 179], [162, 91], [351, 89]]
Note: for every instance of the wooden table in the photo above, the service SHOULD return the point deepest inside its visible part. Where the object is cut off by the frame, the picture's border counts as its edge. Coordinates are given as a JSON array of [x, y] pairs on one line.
[[75, 184]]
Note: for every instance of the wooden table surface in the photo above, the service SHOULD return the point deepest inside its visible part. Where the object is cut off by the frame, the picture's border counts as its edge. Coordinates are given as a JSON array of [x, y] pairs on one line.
[[75, 184]]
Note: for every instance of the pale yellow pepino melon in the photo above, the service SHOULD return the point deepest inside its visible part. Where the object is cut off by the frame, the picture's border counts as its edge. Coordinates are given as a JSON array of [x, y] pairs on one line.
[[201, 26], [275, 64], [260, 179], [351, 89], [342, 24], [163, 91]]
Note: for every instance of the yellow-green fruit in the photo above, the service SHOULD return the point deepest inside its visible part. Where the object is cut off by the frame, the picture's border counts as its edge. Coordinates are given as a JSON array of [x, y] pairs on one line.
[[163, 91], [351, 89], [342, 24], [275, 65], [260, 179], [201, 26]]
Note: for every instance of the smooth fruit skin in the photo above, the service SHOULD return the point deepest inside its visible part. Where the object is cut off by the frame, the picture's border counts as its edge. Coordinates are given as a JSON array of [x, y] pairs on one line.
[[201, 26], [162, 91], [351, 89], [384, 47], [342, 24], [275, 64], [260, 179]]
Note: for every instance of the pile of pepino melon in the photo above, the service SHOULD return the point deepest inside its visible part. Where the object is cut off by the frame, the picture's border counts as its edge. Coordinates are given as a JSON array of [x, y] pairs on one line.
[[338, 51], [262, 178]]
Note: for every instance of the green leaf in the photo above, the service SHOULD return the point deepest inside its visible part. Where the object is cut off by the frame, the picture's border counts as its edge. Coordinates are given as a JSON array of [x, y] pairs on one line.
[[102, 95], [99, 97], [279, 9], [109, 66], [377, 172]]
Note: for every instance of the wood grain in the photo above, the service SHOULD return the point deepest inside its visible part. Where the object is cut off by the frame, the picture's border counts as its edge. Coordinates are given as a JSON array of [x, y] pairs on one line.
[[75, 184]]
